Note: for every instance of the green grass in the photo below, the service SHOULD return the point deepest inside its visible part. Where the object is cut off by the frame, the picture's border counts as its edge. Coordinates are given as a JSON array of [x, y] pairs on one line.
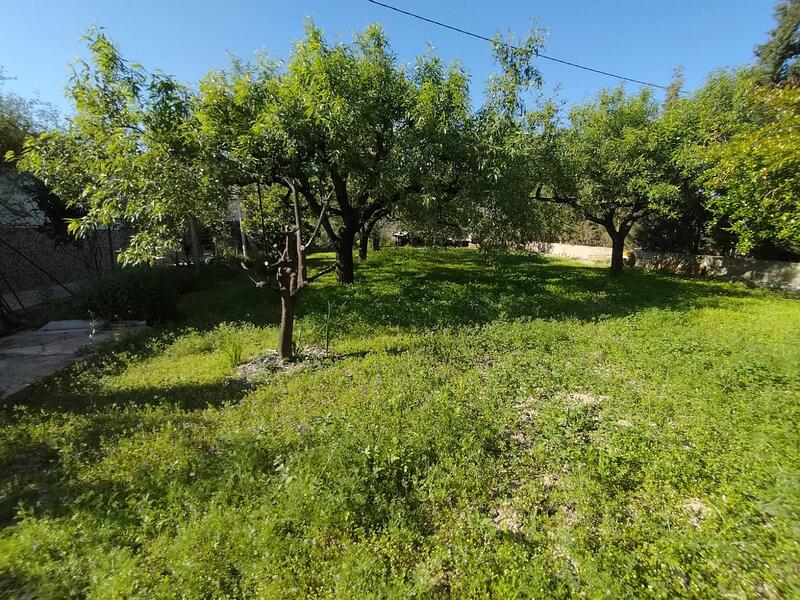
[[533, 429]]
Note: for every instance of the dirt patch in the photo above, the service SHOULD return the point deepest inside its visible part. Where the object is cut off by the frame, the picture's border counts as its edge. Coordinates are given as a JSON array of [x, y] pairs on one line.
[[584, 399], [525, 408], [549, 480], [265, 364], [508, 519], [696, 510]]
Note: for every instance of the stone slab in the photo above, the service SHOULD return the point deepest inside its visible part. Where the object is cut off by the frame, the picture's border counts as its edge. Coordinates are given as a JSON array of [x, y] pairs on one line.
[[74, 324], [28, 356]]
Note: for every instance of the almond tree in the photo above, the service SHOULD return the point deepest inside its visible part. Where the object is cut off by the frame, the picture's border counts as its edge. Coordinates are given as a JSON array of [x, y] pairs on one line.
[[339, 119], [613, 166], [289, 272], [128, 156]]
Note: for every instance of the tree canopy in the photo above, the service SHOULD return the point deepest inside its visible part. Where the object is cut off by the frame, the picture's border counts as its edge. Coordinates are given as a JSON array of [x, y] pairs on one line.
[[779, 56], [128, 155], [361, 137]]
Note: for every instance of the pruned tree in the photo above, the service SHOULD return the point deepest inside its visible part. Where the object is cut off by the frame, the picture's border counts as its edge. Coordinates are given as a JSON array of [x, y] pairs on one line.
[[288, 273]]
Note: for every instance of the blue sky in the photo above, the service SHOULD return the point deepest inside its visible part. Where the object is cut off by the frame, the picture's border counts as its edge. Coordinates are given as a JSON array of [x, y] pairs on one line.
[[643, 39]]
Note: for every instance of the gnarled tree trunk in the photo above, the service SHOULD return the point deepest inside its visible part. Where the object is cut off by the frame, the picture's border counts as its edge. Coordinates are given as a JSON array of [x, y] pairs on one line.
[[366, 233], [344, 257], [617, 249], [285, 350]]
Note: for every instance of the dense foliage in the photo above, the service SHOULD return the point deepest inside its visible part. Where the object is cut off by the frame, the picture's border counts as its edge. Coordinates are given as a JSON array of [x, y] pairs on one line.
[[139, 293], [128, 156], [345, 122], [352, 129], [615, 165]]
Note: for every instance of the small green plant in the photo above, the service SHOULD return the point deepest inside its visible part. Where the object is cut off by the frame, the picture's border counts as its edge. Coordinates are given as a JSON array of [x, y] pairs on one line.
[[230, 343], [328, 328], [191, 342]]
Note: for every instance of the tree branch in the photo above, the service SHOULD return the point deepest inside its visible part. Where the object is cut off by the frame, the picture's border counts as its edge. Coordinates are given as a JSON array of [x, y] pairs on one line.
[[324, 271], [319, 222]]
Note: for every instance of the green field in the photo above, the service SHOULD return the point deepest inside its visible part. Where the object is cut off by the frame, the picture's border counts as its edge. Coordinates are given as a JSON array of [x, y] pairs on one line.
[[524, 428]]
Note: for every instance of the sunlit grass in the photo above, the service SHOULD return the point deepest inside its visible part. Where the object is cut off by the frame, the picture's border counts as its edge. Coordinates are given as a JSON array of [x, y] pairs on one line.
[[530, 429]]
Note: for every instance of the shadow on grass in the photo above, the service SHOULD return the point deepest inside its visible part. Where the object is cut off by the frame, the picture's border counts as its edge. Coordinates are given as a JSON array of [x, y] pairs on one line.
[[416, 290], [33, 471], [64, 394]]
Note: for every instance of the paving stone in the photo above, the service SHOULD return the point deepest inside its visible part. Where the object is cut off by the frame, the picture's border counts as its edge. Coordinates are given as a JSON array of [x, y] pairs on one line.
[[28, 356], [72, 324]]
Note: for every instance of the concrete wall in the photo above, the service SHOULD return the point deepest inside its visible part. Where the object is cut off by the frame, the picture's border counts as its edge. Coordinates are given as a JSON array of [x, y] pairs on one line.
[[581, 253], [767, 273]]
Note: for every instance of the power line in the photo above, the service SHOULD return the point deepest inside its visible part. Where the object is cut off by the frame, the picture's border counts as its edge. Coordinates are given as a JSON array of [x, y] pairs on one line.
[[539, 54]]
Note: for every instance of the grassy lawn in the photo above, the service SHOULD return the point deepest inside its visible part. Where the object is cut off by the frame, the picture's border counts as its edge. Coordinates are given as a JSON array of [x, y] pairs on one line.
[[526, 429]]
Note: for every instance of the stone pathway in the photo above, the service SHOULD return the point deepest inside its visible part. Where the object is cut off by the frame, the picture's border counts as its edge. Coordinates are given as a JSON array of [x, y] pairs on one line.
[[28, 356]]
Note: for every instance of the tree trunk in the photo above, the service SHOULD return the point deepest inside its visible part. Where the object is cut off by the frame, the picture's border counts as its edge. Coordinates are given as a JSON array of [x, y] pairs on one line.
[[287, 327], [366, 234], [242, 234], [195, 242], [617, 250], [363, 245], [376, 242], [111, 256], [344, 257]]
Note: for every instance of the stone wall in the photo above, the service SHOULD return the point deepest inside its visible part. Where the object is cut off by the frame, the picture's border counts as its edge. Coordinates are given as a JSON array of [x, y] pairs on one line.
[[767, 273], [581, 253]]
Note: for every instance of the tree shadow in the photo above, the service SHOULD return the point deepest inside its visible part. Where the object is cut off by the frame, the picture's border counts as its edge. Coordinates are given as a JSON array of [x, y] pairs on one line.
[[33, 471], [458, 288]]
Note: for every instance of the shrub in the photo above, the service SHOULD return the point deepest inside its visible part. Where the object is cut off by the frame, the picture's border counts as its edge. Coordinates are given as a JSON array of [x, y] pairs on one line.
[[148, 294]]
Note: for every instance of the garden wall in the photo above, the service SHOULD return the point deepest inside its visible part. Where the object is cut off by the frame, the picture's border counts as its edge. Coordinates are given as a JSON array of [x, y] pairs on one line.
[[767, 273], [35, 269], [582, 253]]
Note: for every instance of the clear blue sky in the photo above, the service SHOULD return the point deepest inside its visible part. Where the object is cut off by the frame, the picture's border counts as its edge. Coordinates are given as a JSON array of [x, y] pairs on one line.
[[643, 39]]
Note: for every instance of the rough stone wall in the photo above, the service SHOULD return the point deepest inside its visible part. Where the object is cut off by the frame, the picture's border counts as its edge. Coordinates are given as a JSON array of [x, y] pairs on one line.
[[767, 273], [582, 253]]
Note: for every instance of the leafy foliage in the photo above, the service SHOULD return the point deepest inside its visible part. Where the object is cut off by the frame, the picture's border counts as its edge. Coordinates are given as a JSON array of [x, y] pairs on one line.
[[127, 156], [619, 159], [20, 118], [756, 173], [344, 122], [779, 55], [139, 293], [738, 140]]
